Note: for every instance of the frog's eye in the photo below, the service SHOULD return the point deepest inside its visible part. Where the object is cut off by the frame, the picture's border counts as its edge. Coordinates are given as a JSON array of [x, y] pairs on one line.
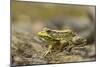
[[46, 29]]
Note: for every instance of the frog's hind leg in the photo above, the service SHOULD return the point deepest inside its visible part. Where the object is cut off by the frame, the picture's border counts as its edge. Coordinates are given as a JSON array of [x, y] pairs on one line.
[[62, 44], [48, 51], [69, 47]]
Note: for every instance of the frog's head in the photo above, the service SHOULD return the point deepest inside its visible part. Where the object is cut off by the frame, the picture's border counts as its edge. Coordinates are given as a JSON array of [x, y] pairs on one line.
[[44, 34]]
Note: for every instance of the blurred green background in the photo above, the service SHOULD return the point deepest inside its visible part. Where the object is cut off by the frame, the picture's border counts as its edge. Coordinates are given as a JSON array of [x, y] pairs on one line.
[[47, 10]]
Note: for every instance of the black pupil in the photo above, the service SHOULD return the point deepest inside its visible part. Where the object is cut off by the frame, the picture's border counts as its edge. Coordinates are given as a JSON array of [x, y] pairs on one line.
[[48, 31]]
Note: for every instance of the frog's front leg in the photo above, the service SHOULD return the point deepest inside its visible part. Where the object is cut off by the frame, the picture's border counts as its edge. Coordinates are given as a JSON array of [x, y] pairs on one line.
[[48, 51]]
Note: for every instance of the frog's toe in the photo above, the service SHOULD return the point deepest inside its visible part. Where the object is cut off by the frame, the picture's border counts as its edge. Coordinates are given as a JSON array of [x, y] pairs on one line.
[[67, 52], [47, 52]]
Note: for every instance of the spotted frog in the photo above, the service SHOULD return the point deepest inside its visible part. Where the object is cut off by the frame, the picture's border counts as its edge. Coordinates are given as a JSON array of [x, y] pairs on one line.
[[59, 39]]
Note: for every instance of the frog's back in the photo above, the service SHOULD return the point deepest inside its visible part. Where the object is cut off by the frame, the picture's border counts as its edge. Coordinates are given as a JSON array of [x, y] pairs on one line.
[[61, 34]]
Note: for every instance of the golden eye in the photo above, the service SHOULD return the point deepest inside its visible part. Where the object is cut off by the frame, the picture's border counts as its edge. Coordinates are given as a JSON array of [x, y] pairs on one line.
[[46, 29]]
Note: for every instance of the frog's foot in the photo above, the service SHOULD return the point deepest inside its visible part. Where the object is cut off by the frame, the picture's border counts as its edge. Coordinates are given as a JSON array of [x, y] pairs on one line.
[[47, 52], [67, 53]]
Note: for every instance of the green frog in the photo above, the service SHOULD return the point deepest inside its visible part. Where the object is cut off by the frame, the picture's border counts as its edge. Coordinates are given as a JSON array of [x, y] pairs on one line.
[[60, 39]]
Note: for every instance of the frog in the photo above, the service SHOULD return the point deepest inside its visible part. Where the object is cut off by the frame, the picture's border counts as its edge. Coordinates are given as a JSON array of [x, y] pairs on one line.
[[60, 39]]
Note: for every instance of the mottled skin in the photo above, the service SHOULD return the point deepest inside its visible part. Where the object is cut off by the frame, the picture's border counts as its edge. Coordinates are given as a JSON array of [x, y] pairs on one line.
[[60, 39]]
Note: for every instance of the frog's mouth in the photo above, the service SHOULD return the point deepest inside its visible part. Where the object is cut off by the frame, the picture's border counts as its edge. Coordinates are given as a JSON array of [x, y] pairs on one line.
[[42, 34]]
